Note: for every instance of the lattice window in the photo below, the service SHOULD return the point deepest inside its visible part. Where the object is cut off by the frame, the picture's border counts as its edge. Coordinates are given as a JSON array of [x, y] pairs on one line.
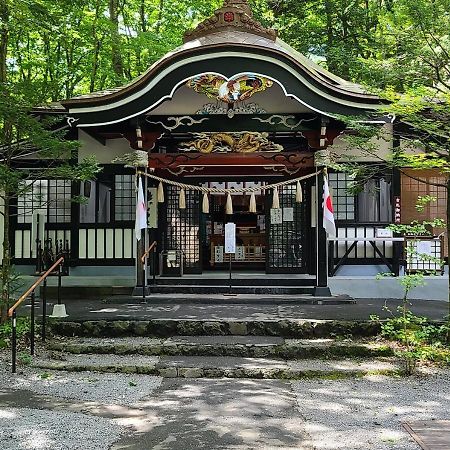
[[124, 198], [59, 197], [286, 238], [373, 204], [54, 196], [343, 201], [411, 189], [183, 226]]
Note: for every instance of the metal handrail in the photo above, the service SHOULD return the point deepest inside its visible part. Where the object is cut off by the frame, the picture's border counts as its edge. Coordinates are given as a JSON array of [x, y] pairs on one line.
[[13, 313], [148, 251], [23, 297]]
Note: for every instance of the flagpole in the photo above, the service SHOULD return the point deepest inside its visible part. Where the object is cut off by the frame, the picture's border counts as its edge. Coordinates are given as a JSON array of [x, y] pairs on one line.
[[322, 289], [146, 242], [139, 232]]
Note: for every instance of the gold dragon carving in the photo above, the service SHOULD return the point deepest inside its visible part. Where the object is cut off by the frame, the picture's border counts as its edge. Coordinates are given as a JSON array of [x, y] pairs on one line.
[[246, 142]]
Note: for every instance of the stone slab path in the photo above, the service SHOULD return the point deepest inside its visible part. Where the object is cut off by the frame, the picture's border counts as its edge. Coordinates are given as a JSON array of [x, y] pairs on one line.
[[220, 414], [193, 414]]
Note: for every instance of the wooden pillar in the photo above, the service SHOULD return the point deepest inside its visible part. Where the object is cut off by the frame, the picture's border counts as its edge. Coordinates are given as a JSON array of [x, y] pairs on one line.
[[321, 289], [396, 196], [396, 192]]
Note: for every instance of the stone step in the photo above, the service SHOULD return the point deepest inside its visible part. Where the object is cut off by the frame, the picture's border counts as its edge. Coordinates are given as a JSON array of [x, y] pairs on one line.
[[288, 328], [223, 299], [219, 367], [243, 346]]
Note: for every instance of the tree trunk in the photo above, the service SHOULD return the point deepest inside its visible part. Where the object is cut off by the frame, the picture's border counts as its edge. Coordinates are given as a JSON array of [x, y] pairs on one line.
[[97, 46], [95, 64], [330, 36], [5, 270], [116, 57], [160, 16], [4, 35], [142, 16], [448, 255], [6, 263]]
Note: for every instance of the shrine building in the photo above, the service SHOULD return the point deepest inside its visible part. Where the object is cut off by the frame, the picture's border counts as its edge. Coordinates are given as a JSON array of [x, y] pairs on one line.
[[234, 126]]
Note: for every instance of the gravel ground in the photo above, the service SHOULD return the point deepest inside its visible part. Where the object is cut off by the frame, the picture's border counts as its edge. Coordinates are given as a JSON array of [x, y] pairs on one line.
[[33, 429], [114, 388], [120, 389], [358, 414], [60, 430], [367, 413]]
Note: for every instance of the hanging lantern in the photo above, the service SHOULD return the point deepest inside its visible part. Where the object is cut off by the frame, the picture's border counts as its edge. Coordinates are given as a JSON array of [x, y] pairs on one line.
[[182, 199], [299, 193], [276, 199], [160, 193], [229, 205], [252, 206], [205, 205]]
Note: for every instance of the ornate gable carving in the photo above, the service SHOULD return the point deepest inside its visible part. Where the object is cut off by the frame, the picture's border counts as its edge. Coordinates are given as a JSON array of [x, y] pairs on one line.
[[235, 15]]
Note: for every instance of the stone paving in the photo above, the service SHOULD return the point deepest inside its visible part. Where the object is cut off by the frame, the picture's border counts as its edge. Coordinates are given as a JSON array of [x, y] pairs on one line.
[[184, 414], [136, 310], [221, 414]]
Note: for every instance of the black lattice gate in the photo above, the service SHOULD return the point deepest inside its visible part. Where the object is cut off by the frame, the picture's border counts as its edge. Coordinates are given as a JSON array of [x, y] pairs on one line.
[[181, 235], [286, 233]]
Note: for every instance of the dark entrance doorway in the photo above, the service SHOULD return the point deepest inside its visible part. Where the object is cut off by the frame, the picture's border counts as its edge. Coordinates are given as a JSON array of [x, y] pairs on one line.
[[268, 240], [251, 230]]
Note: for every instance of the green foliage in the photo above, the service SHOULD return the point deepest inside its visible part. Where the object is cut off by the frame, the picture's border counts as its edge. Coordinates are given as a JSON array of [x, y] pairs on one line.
[[69, 48], [421, 339], [424, 200], [23, 329], [22, 134], [45, 376], [14, 280], [25, 358]]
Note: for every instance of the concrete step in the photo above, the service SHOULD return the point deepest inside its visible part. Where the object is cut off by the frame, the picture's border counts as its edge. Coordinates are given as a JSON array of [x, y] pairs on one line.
[[287, 328], [214, 279], [249, 289], [243, 346], [219, 367]]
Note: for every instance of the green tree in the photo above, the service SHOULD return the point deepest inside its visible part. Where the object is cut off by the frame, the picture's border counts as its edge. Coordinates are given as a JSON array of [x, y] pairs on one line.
[[24, 135], [423, 130]]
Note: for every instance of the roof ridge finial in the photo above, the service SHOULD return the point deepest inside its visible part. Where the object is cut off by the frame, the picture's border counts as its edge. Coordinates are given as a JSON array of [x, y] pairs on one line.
[[235, 15]]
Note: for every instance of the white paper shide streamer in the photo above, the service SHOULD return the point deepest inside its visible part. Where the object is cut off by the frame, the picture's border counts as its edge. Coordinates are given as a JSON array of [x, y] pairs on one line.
[[141, 212]]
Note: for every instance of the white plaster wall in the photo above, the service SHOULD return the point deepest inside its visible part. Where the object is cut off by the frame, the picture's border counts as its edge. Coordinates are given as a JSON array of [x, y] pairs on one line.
[[106, 243], [104, 153], [341, 150]]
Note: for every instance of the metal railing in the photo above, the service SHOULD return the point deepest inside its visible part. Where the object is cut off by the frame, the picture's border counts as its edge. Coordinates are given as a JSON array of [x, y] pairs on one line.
[[12, 312], [144, 258]]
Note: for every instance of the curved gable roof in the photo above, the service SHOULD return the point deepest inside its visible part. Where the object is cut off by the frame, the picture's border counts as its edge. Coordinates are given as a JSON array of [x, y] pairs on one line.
[[224, 48]]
